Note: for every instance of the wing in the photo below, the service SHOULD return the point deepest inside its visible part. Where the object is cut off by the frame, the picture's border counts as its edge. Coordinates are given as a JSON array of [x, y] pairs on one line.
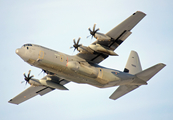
[[29, 93], [37, 90], [122, 90], [118, 34]]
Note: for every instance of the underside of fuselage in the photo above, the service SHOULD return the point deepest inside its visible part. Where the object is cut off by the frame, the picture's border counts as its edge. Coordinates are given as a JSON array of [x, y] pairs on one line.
[[72, 68]]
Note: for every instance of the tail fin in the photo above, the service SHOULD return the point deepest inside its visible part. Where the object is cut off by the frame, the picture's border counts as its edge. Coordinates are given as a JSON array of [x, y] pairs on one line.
[[133, 65], [150, 72]]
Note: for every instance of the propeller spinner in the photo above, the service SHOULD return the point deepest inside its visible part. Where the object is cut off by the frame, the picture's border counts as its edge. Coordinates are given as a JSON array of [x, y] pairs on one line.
[[92, 33]]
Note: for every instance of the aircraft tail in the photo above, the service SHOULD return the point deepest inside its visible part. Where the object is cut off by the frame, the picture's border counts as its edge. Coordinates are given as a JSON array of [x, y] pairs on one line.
[[133, 64], [150, 72], [147, 74], [140, 79]]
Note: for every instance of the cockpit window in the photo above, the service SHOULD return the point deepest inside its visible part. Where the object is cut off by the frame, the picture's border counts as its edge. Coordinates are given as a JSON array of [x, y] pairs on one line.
[[27, 45]]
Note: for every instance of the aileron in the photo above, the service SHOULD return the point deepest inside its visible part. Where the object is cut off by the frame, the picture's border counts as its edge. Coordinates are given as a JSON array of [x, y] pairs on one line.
[[127, 25]]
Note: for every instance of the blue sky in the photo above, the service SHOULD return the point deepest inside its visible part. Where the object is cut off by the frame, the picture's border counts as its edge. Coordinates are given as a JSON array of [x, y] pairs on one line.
[[54, 24]]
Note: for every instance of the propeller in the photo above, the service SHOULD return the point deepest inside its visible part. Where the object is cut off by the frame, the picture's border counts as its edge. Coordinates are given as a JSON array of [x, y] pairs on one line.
[[28, 77], [92, 33], [76, 45]]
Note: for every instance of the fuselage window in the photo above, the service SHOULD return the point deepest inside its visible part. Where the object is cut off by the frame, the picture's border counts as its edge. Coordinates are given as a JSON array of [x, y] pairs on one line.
[[61, 58], [27, 47]]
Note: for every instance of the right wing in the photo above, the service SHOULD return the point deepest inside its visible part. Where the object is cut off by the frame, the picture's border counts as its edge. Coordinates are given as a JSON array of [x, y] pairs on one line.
[[37, 90], [29, 93], [118, 34]]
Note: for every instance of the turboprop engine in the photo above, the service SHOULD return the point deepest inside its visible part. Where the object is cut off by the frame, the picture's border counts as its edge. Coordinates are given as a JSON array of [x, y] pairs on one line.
[[43, 82], [102, 49], [98, 36], [80, 47], [101, 36], [83, 68], [49, 83]]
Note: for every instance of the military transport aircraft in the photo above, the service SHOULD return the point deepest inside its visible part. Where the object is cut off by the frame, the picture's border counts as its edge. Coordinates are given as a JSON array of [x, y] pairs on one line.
[[83, 67]]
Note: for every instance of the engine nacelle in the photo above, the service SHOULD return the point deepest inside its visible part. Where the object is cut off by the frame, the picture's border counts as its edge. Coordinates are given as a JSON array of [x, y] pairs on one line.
[[83, 69], [84, 49], [49, 83], [102, 49], [101, 36], [34, 82]]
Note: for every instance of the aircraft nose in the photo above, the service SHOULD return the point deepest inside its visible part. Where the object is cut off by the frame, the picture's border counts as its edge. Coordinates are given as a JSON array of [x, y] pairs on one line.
[[17, 51], [21, 52]]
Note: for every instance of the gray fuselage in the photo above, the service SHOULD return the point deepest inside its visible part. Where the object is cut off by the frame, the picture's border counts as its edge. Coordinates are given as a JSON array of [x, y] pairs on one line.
[[72, 68]]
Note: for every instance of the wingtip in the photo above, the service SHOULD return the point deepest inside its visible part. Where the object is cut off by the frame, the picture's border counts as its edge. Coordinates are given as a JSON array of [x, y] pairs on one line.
[[141, 12], [162, 64]]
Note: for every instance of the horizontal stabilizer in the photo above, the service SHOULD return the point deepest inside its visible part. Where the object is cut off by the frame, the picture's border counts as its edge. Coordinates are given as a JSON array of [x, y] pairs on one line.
[[140, 79], [122, 90], [150, 72]]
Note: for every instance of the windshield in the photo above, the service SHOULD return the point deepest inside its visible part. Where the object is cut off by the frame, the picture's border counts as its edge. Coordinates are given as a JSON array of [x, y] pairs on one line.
[[27, 45]]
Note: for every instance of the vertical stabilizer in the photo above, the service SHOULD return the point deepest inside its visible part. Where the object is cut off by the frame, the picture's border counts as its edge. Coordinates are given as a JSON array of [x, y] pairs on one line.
[[133, 65]]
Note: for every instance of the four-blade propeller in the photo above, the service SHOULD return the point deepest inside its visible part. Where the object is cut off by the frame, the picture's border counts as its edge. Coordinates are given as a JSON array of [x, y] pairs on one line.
[[92, 33], [76, 45], [28, 77]]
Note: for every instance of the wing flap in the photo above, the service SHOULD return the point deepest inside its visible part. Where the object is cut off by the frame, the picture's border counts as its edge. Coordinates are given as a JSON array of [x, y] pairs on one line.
[[122, 90], [44, 91], [27, 94]]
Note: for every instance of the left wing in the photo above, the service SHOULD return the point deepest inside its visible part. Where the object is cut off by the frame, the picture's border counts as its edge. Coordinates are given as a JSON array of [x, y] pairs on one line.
[[117, 35], [29, 93]]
